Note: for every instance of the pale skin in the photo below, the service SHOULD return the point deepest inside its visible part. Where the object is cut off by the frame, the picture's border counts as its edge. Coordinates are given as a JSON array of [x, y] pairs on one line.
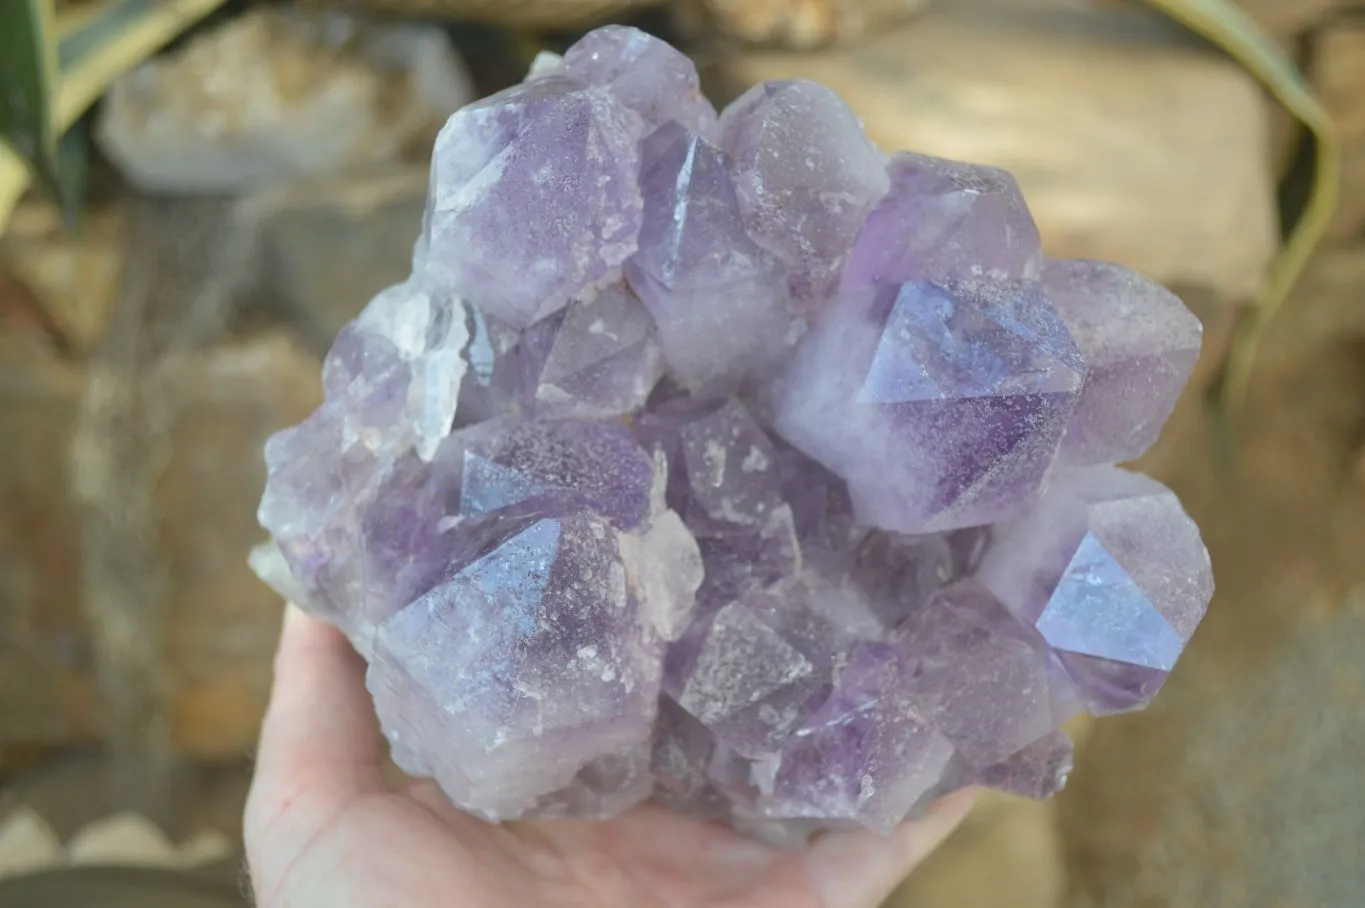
[[324, 829]]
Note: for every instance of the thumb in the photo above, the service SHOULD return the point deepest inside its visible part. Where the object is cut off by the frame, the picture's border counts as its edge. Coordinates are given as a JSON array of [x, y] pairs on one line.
[[319, 749], [860, 869]]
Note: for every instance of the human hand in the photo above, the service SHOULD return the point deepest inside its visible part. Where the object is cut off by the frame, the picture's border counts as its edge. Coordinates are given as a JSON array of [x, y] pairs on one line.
[[325, 830]]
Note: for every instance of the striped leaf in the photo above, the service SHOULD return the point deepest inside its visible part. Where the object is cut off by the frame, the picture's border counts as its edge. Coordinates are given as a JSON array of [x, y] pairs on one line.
[[1225, 24], [27, 78], [77, 58]]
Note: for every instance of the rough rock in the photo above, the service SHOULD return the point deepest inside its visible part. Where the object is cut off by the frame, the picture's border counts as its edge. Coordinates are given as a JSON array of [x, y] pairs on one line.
[[277, 95]]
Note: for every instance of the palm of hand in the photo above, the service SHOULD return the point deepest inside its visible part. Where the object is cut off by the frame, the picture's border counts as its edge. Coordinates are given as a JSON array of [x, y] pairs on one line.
[[324, 829]]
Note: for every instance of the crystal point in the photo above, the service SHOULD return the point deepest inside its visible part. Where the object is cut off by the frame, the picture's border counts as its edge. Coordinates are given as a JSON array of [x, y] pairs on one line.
[[1111, 572], [594, 359], [719, 299], [981, 675], [549, 606], [1140, 345], [643, 73], [806, 176], [943, 220], [942, 406], [533, 198]]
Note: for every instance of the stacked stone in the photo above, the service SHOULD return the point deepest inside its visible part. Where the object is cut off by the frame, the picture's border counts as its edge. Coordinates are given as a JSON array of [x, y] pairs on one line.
[[723, 460]]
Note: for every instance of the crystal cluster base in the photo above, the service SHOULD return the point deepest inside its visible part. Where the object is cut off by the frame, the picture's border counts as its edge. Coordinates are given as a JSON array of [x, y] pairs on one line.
[[724, 461]]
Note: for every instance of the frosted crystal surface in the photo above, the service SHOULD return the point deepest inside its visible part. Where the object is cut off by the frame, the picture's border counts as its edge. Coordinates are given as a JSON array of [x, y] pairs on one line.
[[728, 463]]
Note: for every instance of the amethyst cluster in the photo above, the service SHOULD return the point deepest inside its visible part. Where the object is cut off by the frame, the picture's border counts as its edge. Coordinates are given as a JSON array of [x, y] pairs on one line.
[[724, 461]]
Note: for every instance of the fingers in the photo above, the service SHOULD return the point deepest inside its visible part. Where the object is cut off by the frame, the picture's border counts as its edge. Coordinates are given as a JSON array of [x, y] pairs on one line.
[[859, 870], [319, 747]]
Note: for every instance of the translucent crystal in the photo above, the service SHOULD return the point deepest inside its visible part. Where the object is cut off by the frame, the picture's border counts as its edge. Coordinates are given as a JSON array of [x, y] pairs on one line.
[[1112, 573], [643, 73], [533, 198], [980, 675], [596, 464], [724, 480], [720, 300], [866, 754], [595, 358], [806, 177], [549, 606], [941, 405], [390, 384], [1140, 345], [943, 220]]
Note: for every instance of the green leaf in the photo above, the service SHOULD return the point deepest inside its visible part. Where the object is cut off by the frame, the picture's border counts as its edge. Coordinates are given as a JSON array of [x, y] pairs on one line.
[[28, 76], [73, 169], [1225, 24]]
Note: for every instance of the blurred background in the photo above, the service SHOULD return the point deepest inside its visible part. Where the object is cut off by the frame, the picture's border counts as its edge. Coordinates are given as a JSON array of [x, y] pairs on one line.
[[196, 194]]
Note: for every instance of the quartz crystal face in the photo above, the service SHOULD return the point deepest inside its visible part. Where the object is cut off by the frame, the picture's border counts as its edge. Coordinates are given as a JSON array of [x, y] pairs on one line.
[[719, 299], [1140, 344], [942, 405], [867, 753], [594, 359], [644, 74], [548, 605], [729, 464], [724, 481], [942, 220], [533, 198], [806, 177], [1110, 570]]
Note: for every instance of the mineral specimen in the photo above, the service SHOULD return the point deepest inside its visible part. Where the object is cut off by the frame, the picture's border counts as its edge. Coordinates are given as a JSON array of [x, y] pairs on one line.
[[943, 220], [728, 463]]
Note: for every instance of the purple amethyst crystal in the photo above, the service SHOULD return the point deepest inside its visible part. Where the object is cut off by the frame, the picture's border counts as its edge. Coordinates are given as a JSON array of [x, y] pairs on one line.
[[867, 753], [1111, 572], [724, 481], [644, 74], [727, 464], [1140, 345], [743, 678], [533, 198], [942, 405], [982, 676], [806, 177], [719, 299], [595, 358], [943, 220], [594, 464], [549, 606]]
